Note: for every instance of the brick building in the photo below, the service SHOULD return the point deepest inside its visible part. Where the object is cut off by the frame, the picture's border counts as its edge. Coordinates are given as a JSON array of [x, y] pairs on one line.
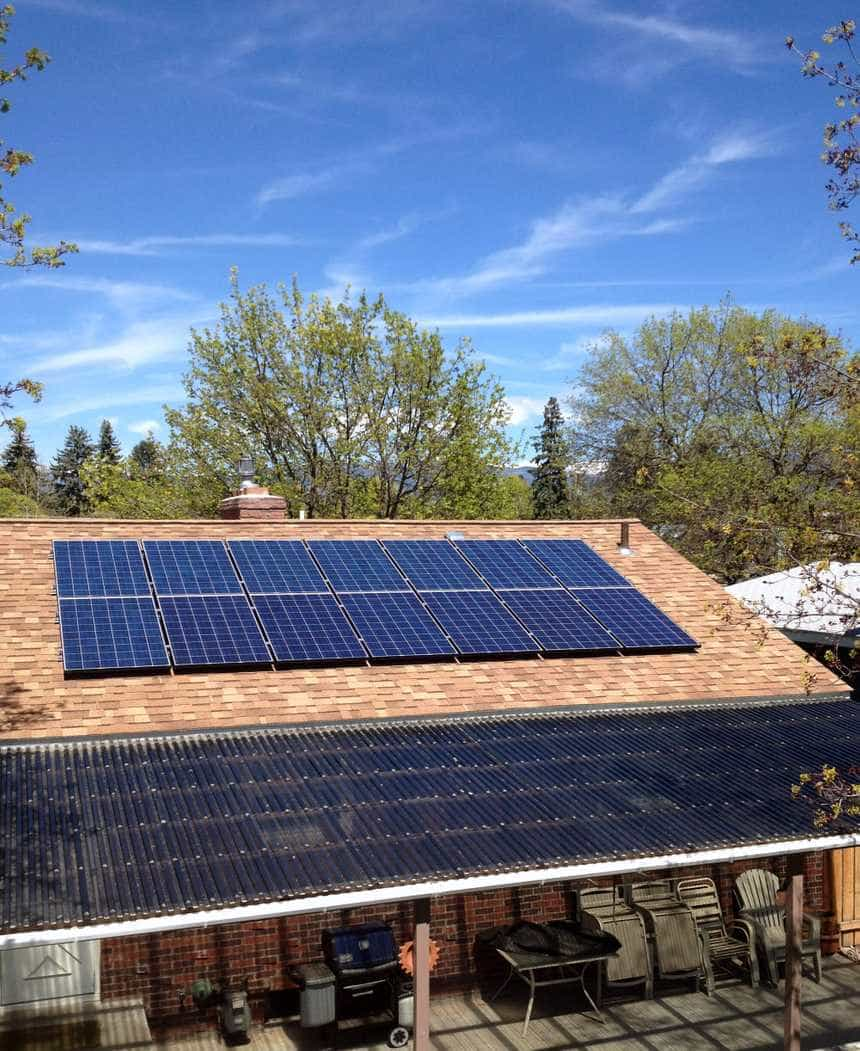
[[156, 953]]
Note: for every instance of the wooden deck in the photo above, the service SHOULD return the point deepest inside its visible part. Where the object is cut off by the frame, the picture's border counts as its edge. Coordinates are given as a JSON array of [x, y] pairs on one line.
[[736, 1018]]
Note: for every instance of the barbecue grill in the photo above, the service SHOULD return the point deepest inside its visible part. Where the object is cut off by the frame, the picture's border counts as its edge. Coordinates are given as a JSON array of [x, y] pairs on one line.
[[365, 963]]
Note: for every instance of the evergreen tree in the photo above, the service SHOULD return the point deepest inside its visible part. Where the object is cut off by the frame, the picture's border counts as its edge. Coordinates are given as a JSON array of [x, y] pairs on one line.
[[109, 447], [550, 495], [146, 455], [69, 489], [19, 459]]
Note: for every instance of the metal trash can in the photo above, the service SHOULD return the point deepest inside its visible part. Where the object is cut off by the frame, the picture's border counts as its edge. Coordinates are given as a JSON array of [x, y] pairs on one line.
[[406, 1005], [317, 997]]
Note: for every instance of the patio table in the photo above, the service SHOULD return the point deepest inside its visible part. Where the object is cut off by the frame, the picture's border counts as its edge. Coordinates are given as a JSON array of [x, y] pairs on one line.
[[538, 970]]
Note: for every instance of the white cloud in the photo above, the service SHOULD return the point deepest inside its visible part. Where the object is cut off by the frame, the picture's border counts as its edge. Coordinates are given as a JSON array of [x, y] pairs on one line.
[[157, 394], [524, 408], [155, 245], [126, 295], [289, 187], [145, 427], [140, 343], [571, 352], [602, 315]]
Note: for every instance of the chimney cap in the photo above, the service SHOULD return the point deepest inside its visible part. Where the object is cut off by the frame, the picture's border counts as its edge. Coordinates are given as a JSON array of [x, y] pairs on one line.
[[245, 467]]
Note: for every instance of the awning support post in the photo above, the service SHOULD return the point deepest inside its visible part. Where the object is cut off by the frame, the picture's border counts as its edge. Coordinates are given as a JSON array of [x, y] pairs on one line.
[[421, 974], [793, 958]]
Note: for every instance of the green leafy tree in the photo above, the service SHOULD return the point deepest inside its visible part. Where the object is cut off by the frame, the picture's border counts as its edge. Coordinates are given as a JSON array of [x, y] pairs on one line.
[[108, 447], [550, 490], [13, 224], [347, 409], [841, 139], [17, 505], [67, 468], [156, 488], [735, 434]]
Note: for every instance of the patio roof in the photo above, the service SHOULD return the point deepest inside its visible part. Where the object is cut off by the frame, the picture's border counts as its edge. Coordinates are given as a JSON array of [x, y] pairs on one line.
[[112, 836]]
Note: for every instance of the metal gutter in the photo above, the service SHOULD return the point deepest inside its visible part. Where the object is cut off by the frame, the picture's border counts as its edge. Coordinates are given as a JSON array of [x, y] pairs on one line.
[[410, 891]]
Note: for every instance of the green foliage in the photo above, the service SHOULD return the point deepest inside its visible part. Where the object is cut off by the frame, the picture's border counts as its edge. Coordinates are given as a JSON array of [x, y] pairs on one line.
[[550, 490], [108, 448], [16, 505], [735, 434], [158, 490], [13, 224], [841, 139], [69, 491], [146, 456], [19, 461], [347, 409]]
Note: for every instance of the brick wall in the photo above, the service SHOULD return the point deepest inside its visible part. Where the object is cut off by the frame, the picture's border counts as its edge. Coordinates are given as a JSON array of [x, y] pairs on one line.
[[157, 968]]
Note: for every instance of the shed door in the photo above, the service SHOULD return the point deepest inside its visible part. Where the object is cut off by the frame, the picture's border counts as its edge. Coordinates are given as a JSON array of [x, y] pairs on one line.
[[49, 972], [846, 893]]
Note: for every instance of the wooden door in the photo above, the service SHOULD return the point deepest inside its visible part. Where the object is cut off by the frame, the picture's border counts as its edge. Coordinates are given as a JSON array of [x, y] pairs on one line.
[[846, 894]]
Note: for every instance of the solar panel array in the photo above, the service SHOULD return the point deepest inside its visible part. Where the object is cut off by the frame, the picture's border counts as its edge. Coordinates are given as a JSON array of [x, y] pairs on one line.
[[255, 602]]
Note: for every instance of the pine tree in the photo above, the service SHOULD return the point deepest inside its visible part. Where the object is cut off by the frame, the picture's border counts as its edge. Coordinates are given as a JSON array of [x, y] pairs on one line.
[[550, 495], [69, 490], [146, 455], [19, 458], [109, 447]]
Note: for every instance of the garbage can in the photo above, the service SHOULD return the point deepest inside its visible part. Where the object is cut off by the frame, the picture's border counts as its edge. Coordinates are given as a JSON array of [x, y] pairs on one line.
[[406, 1005], [317, 997]]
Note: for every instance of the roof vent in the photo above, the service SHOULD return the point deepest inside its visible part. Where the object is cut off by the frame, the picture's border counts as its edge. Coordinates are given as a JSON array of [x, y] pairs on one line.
[[624, 547], [455, 536]]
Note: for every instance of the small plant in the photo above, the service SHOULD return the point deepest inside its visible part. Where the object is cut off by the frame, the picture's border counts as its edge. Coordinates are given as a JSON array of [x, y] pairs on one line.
[[835, 797]]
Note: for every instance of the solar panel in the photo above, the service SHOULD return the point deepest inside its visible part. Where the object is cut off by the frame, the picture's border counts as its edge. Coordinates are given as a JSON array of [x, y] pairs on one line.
[[505, 564], [90, 568], [633, 619], [575, 564], [213, 629], [478, 622], [100, 634], [357, 565], [277, 567], [558, 621], [307, 628], [433, 565], [396, 625], [191, 567]]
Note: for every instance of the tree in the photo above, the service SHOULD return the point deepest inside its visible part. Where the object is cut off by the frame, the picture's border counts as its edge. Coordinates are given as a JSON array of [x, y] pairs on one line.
[[841, 142], [550, 490], [13, 224], [109, 448], [347, 409], [146, 456], [159, 490], [19, 459], [735, 434], [18, 505], [69, 489]]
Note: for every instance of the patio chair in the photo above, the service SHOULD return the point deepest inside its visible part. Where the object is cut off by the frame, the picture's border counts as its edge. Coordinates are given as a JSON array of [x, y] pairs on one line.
[[755, 893], [601, 909], [700, 894], [678, 950]]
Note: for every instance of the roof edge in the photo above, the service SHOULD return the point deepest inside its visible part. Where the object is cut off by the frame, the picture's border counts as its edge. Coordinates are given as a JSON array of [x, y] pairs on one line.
[[412, 891], [231, 523], [581, 710]]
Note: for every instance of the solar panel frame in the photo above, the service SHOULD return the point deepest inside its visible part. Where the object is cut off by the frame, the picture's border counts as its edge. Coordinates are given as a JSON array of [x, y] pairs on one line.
[[277, 567], [352, 566], [395, 624], [307, 627], [111, 634], [559, 622], [505, 564], [575, 563], [634, 619], [478, 623], [99, 569], [191, 567], [433, 565], [206, 630]]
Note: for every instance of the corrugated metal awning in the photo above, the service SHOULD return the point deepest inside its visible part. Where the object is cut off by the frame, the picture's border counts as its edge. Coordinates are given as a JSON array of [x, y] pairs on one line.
[[180, 830]]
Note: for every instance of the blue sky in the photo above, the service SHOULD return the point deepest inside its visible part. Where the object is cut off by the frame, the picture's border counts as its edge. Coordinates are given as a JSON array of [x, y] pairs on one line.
[[524, 172]]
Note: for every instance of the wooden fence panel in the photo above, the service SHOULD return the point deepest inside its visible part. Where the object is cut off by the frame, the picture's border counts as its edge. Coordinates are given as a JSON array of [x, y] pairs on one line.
[[846, 893]]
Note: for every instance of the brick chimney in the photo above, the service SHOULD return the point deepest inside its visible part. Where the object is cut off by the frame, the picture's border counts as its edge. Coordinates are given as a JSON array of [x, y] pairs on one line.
[[253, 503]]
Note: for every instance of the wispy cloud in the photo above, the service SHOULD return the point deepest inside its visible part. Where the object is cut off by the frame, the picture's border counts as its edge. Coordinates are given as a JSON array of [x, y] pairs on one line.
[[601, 316], [404, 226], [145, 427], [49, 411], [289, 187], [157, 244], [123, 294], [78, 8], [571, 352], [140, 343]]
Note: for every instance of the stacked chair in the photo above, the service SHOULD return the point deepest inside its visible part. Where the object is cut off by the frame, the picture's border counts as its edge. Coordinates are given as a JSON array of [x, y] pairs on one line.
[[719, 945], [755, 894], [671, 925], [602, 909]]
